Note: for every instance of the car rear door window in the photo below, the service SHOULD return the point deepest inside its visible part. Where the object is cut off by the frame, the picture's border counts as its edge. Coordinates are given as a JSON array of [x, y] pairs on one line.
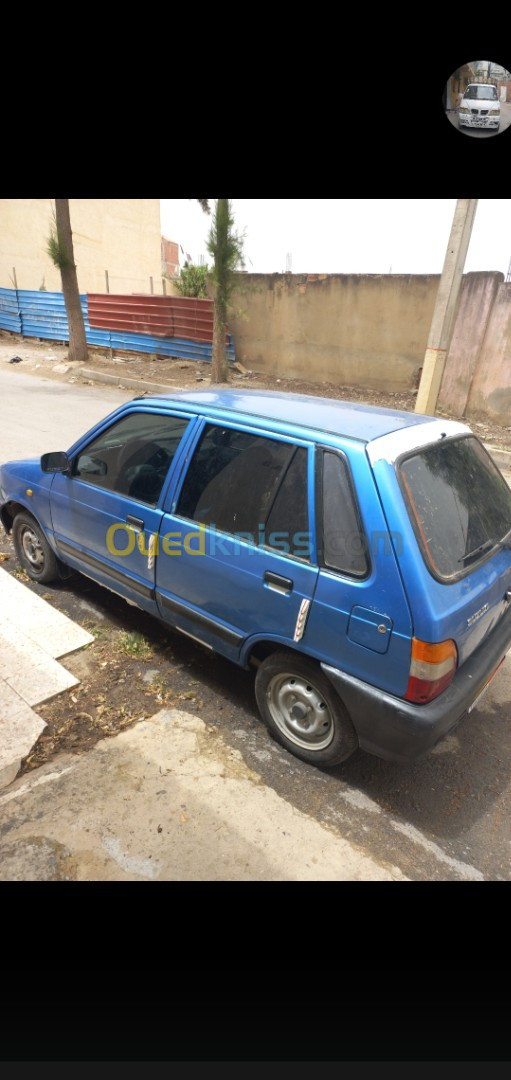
[[133, 456], [248, 485], [287, 526], [459, 504]]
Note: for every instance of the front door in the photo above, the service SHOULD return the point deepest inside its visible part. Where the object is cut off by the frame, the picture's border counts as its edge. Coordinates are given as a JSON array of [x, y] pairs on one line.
[[106, 516]]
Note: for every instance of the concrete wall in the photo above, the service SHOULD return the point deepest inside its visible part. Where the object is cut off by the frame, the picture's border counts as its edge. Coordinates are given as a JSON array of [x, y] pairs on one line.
[[478, 293], [352, 329], [490, 391], [122, 236]]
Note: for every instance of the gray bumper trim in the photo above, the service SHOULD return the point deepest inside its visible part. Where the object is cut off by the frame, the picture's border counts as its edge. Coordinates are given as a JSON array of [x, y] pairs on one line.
[[396, 729]]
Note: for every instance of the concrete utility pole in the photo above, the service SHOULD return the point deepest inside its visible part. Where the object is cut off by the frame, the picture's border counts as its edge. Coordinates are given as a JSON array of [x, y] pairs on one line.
[[445, 306]]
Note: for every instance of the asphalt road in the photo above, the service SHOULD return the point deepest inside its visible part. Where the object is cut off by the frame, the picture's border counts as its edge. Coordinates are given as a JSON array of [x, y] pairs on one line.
[[41, 414], [446, 818]]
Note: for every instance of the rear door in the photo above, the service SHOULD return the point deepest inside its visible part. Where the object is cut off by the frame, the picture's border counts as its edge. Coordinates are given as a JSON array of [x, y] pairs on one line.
[[236, 558]]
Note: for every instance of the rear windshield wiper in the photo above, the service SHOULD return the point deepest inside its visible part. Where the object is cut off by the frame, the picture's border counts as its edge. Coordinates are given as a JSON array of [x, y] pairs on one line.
[[478, 550]]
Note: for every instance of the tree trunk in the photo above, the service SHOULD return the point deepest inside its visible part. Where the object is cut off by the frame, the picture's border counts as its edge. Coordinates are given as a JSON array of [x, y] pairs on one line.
[[77, 340], [218, 362]]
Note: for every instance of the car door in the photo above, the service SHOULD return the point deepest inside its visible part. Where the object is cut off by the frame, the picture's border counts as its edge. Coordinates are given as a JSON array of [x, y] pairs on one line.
[[107, 514], [236, 557]]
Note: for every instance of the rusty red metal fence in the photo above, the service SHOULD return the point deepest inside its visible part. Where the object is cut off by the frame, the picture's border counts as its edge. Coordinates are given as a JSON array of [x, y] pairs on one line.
[[158, 316]]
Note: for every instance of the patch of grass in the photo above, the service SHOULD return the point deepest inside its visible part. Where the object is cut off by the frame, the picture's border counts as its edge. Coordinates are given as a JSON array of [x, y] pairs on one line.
[[132, 643], [98, 631], [160, 689], [20, 573]]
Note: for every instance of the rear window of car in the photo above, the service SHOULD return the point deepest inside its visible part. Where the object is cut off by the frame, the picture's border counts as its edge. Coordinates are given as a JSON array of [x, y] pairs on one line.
[[459, 504]]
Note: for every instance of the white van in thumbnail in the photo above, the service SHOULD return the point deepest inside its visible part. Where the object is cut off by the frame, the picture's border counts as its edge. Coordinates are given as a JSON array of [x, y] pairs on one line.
[[479, 107]]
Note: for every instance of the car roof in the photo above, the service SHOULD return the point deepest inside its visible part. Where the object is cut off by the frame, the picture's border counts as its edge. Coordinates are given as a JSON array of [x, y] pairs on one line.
[[355, 420]]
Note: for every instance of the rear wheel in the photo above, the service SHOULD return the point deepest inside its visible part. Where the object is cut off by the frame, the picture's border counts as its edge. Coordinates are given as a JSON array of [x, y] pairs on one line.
[[302, 710], [33, 549]]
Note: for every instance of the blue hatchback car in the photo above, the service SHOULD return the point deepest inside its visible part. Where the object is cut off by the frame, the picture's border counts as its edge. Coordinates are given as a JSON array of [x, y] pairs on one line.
[[358, 557]]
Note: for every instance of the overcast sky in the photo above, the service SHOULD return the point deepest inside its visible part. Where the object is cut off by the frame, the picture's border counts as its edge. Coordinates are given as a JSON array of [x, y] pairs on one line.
[[346, 236]]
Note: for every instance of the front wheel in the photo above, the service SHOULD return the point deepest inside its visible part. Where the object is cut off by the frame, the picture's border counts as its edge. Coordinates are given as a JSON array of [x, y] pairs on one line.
[[33, 549], [302, 710]]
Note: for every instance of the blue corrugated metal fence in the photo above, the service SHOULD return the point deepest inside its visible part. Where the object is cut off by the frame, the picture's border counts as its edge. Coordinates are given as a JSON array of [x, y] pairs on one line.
[[43, 315], [10, 318]]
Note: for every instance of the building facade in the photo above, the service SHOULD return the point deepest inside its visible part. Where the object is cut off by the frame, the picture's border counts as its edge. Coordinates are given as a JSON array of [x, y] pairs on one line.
[[117, 245]]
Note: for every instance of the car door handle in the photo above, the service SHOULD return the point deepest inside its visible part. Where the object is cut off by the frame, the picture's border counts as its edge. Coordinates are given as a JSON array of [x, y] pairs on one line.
[[136, 522], [278, 583]]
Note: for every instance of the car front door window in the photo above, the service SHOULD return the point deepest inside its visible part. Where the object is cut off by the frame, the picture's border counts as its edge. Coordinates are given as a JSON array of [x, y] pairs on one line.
[[132, 457]]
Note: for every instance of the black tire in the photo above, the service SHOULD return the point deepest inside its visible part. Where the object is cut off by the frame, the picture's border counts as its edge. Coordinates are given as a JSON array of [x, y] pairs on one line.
[[320, 731], [33, 549]]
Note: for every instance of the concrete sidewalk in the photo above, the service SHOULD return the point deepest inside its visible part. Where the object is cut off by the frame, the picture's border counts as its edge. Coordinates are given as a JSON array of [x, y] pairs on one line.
[[32, 635], [166, 800]]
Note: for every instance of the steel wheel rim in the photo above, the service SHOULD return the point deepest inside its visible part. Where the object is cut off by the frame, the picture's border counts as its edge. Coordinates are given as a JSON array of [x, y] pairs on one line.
[[32, 549], [300, 711]]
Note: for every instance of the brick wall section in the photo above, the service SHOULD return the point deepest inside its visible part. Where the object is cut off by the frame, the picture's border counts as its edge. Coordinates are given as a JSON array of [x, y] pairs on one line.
[[169, 257]]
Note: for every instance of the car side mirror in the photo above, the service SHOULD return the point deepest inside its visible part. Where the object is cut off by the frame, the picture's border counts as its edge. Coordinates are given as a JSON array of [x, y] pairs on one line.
[[56, 462]]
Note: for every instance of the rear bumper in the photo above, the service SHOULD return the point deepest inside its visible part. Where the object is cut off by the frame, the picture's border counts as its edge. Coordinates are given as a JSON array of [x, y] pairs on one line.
[[397, 730]]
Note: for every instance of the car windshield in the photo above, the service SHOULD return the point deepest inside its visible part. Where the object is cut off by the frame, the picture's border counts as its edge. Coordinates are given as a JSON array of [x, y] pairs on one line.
[[459, 504], [486, 93]]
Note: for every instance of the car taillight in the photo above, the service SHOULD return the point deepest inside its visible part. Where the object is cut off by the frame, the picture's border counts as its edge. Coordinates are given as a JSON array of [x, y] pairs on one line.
[[432, 668]]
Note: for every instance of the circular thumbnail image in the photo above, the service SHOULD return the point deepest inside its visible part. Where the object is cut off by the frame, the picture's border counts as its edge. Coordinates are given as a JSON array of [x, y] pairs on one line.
[[477, 99]]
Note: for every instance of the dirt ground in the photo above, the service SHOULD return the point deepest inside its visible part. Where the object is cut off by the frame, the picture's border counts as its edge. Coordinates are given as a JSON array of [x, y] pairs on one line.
[[136, 665]]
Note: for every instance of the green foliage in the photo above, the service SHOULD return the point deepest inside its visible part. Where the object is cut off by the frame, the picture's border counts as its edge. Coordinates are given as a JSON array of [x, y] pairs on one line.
[[192, 280], [132, 643], [57, 251], [226, 247]]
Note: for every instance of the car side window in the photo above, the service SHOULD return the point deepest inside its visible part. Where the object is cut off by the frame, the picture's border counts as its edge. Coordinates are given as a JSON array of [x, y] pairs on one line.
[[243, 484], [344, 542], [287, 527], [133, 456]]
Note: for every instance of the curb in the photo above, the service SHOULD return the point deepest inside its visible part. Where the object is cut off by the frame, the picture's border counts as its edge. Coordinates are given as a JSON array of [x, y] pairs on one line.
[[502, 458], [130, 384]]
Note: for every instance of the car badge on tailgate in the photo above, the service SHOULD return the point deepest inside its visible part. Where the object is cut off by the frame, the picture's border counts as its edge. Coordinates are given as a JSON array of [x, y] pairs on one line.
[[477, 615]]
